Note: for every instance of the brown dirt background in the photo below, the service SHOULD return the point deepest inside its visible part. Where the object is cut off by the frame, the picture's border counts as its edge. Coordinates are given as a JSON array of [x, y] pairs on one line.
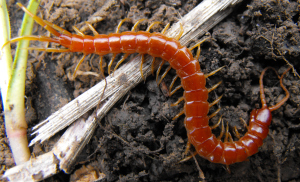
[[137, 140]]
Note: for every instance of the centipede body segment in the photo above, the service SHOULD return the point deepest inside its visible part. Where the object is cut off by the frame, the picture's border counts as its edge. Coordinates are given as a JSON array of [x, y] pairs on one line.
[[193, 81]]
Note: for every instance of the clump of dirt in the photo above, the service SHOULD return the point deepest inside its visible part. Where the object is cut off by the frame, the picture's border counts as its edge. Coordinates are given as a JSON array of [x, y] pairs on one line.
[[137, 140]]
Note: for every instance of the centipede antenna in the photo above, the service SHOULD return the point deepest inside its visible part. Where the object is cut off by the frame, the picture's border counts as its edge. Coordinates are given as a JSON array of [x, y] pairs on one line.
[[172, 84], [226, 133], [178, 115], [164, 74], [236, 132], [178, 101], [177, 88], [141, 66], [152, 66], [77, 67], [214, 113], [217, 124], [215, 101], [151, 25], [78, 31], [39, 21], [137, 23], [214, 87], [287, 94], [222, 130], [111, 62], [213, 72], [180, 32], [120, 62], [165, 29], [48, 49], [91, 28], [158, 70], [31, 37], [121, 23]]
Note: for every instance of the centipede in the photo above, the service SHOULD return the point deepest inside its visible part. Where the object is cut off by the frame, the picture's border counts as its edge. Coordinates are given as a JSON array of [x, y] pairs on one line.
[[193, 81]]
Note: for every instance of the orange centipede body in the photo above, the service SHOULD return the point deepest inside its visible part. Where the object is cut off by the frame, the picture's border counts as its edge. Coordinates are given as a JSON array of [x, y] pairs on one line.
[[193, 82]]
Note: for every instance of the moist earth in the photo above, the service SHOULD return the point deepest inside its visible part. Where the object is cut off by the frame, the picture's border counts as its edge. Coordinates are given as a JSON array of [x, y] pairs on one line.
[[138, 140]]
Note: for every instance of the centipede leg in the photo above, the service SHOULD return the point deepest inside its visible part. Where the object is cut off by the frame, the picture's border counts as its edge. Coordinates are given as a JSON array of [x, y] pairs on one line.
[[213, 72], [77, 67], [199, 49], [101, 67], [180, 32], [226, 133], [217, 124], [141, 66], [244, 122], [198, 53], [187, 148], [236, 132], [230, 137], [215, 101], [158, 70], [222, 130], [178, 101], [111, 62], [228, 169], [44, 23], [52, 25], [152, 66], [121, 23], [175, 89], [214, 114], [188, 157], [214, 87], [152, 24], [121, 61], [172, 84], [41, 21], [165, 29], [178, 115], [137, 23], [164, 74], [91, 28], [78, 31]]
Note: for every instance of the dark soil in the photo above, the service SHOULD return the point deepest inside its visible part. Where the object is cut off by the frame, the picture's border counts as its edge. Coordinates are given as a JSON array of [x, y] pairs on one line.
[[137, 140]]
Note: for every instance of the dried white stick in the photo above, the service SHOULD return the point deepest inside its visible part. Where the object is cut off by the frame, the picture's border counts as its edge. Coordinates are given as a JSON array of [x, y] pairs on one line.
[[75, 138], [35, 169], [202, 18], [68, 145]]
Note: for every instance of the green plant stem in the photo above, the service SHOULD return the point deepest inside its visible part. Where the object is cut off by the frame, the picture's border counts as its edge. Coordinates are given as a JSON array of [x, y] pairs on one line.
[[5, 55], [14, 107]]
